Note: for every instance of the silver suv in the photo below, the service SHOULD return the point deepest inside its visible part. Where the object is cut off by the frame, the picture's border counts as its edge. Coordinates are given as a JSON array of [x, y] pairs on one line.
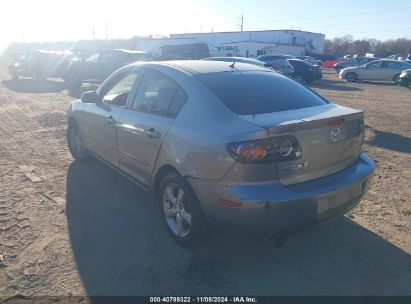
[[279, 63], [219, 142]]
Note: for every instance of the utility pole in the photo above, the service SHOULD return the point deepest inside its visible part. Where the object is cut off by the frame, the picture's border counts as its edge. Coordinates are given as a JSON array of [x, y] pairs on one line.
[[106, 30], [242, 22]]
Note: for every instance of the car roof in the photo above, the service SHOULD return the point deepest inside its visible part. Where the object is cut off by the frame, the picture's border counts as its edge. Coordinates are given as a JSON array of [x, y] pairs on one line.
[[387, 60], [204, 66], [232, 59]]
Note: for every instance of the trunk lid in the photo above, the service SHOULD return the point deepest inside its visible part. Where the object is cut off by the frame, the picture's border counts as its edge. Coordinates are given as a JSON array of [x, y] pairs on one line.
[[330, 137]]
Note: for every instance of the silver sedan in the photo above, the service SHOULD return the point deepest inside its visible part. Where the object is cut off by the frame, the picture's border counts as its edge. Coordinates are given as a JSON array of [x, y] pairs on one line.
[[379, 70], [224, 143]]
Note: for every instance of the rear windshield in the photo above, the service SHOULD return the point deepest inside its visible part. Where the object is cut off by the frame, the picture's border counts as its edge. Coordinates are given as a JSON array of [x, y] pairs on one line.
[[258, 92]]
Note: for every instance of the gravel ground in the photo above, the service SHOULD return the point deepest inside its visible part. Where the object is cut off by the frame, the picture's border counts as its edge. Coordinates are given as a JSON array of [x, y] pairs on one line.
[[81, 229]]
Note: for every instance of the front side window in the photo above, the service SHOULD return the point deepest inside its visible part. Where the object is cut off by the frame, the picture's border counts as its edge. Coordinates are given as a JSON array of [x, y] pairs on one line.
[[375, 65], [159, 95], [92, 58], [106, 56], [119, 89], [393, 65]]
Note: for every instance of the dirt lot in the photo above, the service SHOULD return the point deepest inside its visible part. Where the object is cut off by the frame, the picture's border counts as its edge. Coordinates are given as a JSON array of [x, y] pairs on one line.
[[70, 228]]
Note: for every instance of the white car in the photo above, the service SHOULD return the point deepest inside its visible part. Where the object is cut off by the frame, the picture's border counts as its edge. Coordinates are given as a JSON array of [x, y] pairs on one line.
[[380, 70]]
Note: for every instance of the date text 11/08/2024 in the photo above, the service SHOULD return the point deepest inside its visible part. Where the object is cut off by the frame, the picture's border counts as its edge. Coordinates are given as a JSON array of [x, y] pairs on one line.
[[203, 300]]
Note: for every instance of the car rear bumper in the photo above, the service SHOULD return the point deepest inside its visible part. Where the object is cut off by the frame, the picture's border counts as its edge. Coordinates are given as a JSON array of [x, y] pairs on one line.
[[267, 207]]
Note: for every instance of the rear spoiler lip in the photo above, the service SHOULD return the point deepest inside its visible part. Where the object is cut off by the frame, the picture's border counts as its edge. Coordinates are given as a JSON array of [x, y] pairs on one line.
[[313, 124], [317, 117]]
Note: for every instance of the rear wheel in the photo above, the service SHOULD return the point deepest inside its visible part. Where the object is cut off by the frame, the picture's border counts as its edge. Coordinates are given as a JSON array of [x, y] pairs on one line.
[[181, 211], [396, 79], [351, 77], [75, 143], [299, 78], [13, 74], [38, 75], [73, 80]]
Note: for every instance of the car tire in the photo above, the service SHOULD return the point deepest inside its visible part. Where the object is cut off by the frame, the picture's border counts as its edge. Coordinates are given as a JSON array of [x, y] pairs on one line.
[[38, 75], [396, 79], [73, 80], [75, 143], [351, 77], [299, 78], [13, 74], [181, 211]]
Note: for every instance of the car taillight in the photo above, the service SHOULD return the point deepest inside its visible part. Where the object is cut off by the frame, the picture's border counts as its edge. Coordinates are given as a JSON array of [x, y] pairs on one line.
[[275, 149]]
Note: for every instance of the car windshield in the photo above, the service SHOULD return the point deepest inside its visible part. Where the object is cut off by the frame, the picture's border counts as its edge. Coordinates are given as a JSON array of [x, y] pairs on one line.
[[258, 92]]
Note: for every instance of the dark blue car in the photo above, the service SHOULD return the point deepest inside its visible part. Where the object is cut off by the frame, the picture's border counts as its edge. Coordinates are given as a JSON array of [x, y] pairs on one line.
[[305, 71]]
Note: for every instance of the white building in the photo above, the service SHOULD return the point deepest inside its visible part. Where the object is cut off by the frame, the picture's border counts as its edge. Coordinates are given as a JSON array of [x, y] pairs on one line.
[[247, 43]]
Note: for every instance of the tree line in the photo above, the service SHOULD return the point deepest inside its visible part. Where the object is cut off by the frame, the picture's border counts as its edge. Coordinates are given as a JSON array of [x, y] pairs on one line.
[[347, 45]]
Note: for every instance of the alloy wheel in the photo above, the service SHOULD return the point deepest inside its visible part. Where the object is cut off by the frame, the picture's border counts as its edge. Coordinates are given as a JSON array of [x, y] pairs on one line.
[[176, 210]]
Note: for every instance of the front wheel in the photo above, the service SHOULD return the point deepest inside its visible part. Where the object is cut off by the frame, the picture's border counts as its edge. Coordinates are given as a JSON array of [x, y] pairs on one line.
[[75, 143], [181, 211], [351, 77]]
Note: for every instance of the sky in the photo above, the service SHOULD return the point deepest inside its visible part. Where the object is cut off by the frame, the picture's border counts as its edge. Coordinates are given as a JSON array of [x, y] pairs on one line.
[[54, 20]]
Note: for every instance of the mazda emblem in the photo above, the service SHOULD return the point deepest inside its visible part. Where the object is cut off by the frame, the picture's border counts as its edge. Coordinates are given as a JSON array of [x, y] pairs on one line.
[[335, 134]]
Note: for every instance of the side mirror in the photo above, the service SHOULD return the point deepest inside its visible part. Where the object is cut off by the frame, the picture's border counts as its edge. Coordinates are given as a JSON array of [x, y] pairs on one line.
[[89, 97]]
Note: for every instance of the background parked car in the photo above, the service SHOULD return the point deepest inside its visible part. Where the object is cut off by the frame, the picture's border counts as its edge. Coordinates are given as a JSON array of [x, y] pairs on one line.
[[305, 71], [39, 64], [405, 78], [311, 59], [278, 62], [219, 144], [184, 51], [358, 61], [98, 66], [381, 70], [225, 50], [239, 59]]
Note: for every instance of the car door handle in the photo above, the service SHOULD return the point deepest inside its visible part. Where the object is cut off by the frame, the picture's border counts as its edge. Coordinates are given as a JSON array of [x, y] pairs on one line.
[[152, 133], [111, 120]]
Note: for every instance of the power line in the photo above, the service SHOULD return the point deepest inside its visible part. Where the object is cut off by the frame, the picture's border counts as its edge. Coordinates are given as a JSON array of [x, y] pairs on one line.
[[389, 30], [355, 23], [332, 16]]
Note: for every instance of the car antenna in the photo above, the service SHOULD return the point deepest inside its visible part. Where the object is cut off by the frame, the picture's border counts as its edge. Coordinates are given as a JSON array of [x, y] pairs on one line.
[[232, 65]]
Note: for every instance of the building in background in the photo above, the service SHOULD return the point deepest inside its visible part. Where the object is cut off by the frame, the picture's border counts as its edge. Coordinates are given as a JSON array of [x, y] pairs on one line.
[[246, 43]]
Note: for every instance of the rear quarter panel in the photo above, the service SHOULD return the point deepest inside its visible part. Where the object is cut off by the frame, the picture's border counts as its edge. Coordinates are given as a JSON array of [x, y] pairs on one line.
[[196, 143]]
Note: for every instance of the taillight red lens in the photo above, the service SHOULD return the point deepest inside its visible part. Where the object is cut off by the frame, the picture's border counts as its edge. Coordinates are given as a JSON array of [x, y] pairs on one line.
[[275, 149]]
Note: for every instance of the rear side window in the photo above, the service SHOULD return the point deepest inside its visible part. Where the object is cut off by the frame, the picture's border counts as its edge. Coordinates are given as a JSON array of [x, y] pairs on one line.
[[249, 93]]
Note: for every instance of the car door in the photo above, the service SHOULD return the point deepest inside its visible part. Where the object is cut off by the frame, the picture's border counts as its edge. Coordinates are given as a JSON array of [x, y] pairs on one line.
[[372, 71], [90, 66], [391, 69], [144, 125], [110, 61], [100, 120]]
